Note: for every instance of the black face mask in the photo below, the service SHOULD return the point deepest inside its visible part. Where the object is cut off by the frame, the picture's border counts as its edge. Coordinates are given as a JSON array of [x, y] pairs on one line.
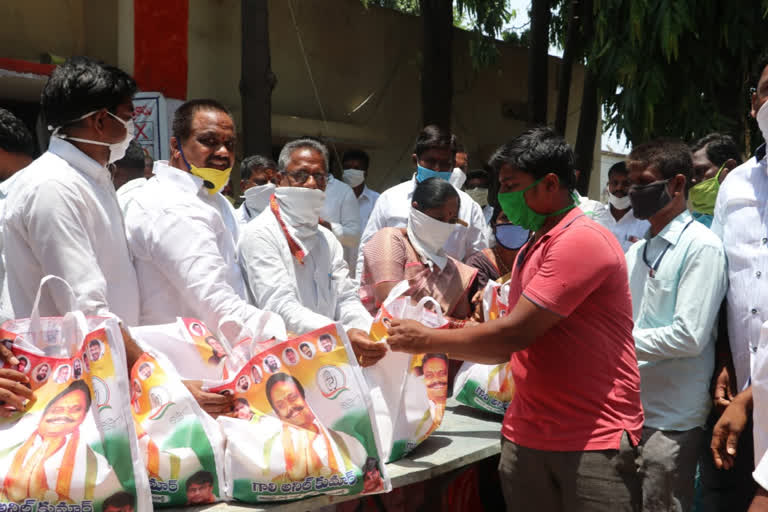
[[648, 199]]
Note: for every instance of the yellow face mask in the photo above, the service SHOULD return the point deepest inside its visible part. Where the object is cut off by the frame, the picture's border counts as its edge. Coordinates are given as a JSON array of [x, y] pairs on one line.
[[213, 179], [702, 196]]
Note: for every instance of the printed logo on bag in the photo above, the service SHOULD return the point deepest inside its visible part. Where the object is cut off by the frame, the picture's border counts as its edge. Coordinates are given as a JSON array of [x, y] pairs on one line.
[[63, 452], [211, 349], [306, 427]]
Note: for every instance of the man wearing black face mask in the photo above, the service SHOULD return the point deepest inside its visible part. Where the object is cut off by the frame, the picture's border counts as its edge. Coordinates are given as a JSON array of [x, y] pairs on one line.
[[677, 277]]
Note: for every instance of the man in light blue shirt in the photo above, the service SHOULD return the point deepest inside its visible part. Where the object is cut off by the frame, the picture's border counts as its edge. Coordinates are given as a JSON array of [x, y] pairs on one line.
[[677, 277]]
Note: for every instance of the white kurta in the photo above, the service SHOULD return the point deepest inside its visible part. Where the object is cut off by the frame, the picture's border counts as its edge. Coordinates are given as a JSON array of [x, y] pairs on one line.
[[309, 295], [128, 192], [628, 230], [393, 208], [185, 255], [6, 311], [760, 409], [63, 218], [342, 212], [366, 201]]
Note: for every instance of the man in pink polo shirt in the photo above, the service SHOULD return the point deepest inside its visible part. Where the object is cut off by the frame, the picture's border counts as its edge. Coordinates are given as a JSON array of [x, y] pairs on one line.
[[570, 434]]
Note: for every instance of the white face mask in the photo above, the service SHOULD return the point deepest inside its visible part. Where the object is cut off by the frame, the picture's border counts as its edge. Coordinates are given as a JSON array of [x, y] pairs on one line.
[[300, 209], [116, 149], [762, 120], [620, 203], [353, 177], [479, 195], [429, 236], [257, 198], [457, 178]]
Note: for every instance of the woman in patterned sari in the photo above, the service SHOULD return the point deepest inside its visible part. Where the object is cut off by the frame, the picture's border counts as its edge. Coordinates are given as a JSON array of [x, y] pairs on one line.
[[416, 254]]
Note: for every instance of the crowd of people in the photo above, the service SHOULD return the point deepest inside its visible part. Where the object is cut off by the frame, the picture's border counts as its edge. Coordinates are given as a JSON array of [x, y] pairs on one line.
[[634, 327]]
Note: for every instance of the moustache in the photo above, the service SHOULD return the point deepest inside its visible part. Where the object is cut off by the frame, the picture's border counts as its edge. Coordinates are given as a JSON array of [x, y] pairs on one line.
[[60, 419], [217, 163], [294, 411], [438, 384]]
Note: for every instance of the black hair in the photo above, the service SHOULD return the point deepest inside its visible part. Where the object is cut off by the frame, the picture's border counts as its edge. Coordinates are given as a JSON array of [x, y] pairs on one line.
[[433, 193], [185, 114], [211, 337], [94, 342], [253, 163], [460, 148], [119, 500], [479, 174], [304, 344], [133, 159], [538, 152], [720, 148], [371, 463], [15, 137], [357, 154], [200, 478], [419, 370], [433, 136], [668, 156], [76, 385], [326, 335], [281, 377], [618, 168], [82, 85], [241, 401]]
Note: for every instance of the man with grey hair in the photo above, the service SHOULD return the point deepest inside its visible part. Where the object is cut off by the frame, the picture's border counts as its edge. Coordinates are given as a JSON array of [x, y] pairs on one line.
[[295, 266]]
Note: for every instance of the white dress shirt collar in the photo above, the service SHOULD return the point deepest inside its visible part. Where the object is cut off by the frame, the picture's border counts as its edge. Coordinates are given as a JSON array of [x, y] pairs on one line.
[[79, 160], [183, 180], [672, 231]]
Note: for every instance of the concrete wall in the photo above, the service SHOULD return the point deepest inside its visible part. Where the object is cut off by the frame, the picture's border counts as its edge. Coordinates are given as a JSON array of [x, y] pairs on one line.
[[357, 54]]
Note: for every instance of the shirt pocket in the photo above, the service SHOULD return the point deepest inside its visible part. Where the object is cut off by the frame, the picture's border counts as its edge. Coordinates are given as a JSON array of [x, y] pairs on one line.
[[659, 298]]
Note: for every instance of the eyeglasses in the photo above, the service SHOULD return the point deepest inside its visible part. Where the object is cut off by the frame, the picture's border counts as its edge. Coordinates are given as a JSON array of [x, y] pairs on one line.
[[301, 177]]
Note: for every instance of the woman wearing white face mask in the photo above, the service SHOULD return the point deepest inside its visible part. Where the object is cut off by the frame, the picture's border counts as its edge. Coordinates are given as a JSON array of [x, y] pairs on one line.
[[416, 254]]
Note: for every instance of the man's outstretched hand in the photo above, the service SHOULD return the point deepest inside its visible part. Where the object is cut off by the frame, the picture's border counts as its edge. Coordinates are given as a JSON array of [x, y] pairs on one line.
[[212, 403], [367, 351]]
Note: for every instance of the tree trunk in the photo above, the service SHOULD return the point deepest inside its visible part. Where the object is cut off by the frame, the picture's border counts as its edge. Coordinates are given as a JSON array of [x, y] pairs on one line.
[[585, 140], [538, 57], [256, 80], [571, 50], [437, 65]]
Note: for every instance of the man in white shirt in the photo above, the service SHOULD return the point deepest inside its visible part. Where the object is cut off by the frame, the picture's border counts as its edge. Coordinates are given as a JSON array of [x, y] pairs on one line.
[[295, 266], [16, 149], [741, 221], [180, 237], [356, 163], [619, 217], [63, 217], [476, 187], [433, 156], [258, 175], [341, 214]]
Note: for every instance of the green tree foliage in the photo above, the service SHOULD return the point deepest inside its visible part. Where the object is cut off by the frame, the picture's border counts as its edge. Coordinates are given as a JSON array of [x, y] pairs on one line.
[[677, 67]]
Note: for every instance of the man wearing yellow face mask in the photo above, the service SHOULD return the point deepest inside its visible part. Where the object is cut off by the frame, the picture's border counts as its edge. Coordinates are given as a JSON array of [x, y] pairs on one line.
[[182, 231], [713, 158]]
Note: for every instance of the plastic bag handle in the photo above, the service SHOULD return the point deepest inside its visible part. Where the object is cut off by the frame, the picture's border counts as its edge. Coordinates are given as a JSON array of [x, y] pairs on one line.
[[34, 317], [438, 309]]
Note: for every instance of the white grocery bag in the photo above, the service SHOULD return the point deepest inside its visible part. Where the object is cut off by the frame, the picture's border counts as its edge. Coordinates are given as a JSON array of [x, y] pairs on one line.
[[181, 445], [302, 422], [195, 352], [75, 448], [489, 387], [408, 391]]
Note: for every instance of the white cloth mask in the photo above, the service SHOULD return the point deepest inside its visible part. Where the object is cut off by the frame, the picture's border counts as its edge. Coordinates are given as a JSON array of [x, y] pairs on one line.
[[620, 203], [457, 178], [300, 209], [257, 198], [762, 120], [116, 149], [428, 236], [353, 177]]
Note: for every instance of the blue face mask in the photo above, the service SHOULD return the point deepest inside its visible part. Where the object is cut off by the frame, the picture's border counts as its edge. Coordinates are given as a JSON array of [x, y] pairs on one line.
[[422, 173], [511, 236]]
